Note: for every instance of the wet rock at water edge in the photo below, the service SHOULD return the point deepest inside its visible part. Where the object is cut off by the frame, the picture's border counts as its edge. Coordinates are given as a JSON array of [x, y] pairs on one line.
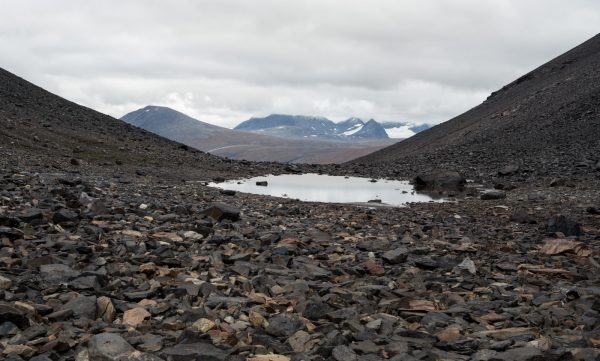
[[227, 192], [492, 195], [440, 180]]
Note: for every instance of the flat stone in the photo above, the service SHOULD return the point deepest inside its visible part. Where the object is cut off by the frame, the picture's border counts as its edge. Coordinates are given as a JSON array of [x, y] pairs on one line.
[[5, 283], [298, 341], [520, 354], [343, 353], [449, 334], [194, 351], [396, 256], [214, 301], [504, 333], [204, 325], [269, 357], [109, 347], [283, 326], [65, 215], [85, 283], [31, 214], [57, 273], [193, 236], [60, 315], [21, 350], [82, 306], [135, 316]]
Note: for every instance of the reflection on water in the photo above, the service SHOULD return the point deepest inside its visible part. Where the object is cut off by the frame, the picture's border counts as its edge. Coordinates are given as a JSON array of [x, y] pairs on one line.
[[333, 189]]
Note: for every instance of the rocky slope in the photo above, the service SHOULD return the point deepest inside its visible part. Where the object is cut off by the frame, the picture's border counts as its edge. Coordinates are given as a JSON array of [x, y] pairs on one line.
[[547, 122]]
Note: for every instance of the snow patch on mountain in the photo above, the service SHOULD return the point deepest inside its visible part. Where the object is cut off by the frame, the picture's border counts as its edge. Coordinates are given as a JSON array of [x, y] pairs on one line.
[[400, 132], [353, 129]]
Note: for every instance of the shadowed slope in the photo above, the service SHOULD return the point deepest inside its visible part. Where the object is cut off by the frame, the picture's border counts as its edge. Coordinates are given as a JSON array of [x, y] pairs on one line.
[[548, 120]]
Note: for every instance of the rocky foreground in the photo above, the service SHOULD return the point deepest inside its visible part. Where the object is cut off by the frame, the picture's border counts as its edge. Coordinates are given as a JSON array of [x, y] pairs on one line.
[[103, 268]]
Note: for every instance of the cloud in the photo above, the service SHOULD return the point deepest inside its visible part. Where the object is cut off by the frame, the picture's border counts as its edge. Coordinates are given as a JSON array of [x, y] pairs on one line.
[[225, 61]]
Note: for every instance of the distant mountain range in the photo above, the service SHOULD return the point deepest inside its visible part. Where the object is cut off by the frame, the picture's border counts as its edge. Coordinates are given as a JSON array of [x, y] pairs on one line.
[[300, 126], [325, 147]]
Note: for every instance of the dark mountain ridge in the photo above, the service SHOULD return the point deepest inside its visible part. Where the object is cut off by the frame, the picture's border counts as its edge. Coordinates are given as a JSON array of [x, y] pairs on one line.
[[547, 121]]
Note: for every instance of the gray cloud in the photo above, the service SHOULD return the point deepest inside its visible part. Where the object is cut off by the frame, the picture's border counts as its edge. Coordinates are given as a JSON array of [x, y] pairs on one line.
[[225, 61]]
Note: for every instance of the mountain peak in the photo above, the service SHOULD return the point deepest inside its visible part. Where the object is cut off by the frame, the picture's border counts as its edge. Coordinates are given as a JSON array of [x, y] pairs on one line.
[[302, 126], [168, 122]]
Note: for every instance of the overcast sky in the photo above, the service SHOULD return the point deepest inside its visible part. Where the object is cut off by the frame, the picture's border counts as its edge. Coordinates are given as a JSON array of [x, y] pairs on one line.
[[225, 61]]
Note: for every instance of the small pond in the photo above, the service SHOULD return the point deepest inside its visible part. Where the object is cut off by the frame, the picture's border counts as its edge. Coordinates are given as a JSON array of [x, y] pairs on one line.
[[330, 189]]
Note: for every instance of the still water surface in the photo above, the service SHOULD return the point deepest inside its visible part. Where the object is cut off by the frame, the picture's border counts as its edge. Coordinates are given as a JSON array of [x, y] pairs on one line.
[[332, 189]]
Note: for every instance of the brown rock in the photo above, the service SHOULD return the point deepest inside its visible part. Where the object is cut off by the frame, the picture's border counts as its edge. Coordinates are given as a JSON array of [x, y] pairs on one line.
[[20, 350], [135, 316], [169, 236], [204, 325], [269, 357], [5, 283], [559, 246], [449, 334], [373, 268]]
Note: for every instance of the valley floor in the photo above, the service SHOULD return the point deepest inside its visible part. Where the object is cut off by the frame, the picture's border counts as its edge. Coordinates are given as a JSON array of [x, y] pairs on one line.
[[128, 268]]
